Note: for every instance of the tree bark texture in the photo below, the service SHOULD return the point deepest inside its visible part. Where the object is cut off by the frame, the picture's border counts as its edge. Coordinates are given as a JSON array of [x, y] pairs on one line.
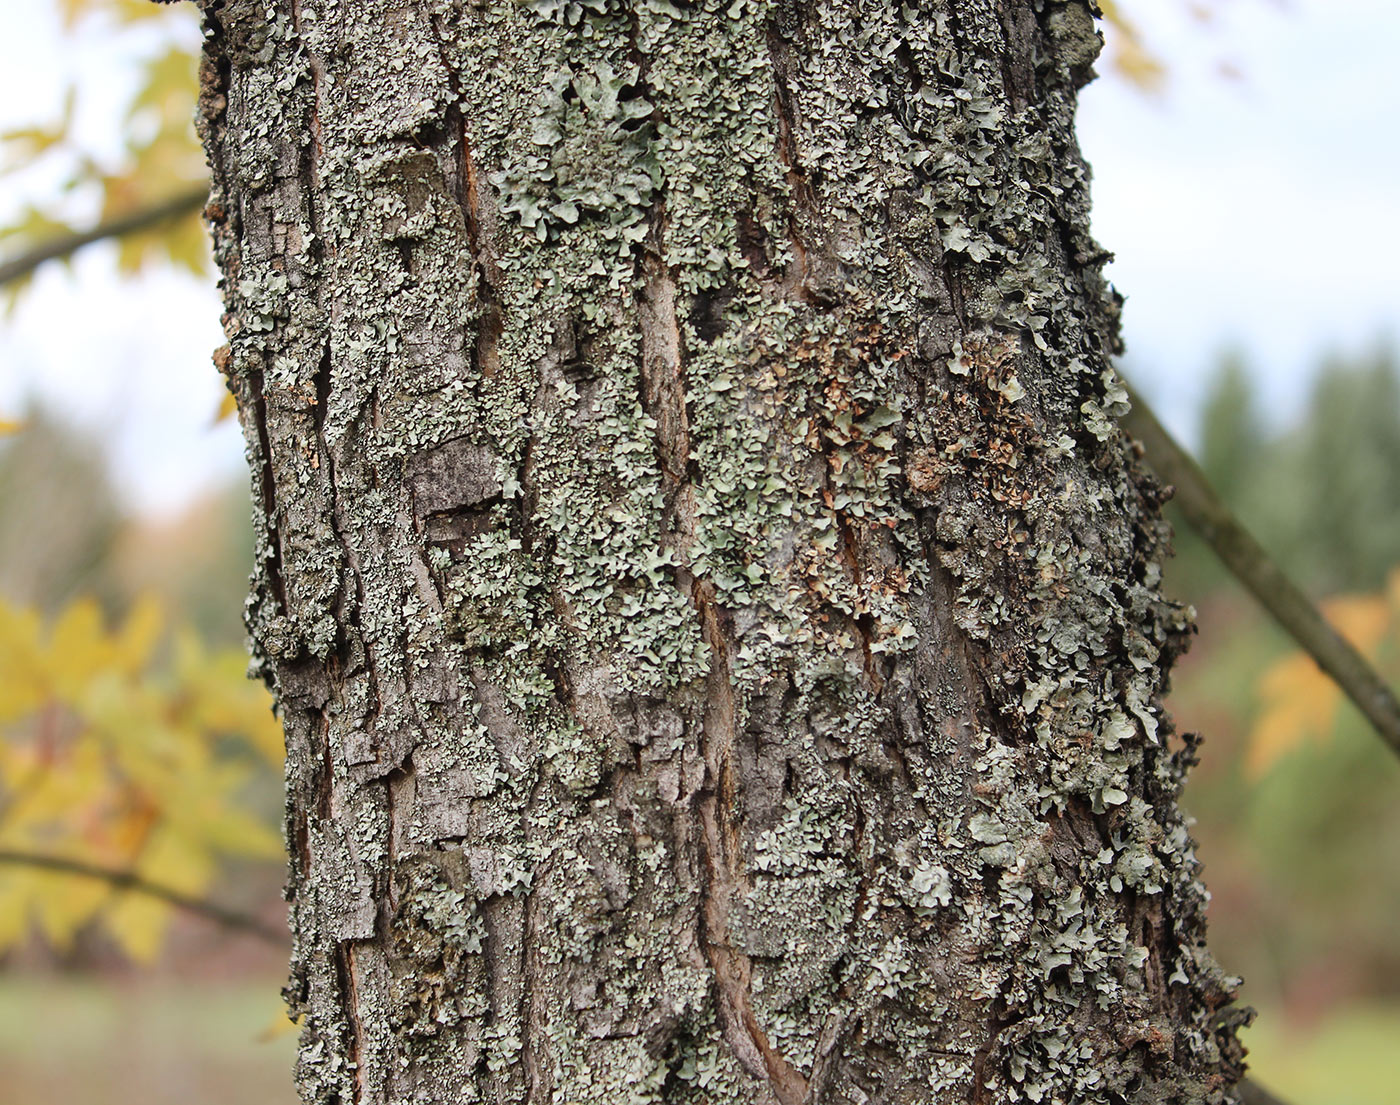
[[714, 612]]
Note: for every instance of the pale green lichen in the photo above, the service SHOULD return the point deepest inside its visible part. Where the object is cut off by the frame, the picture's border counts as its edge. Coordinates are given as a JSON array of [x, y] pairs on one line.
[[597, 158], [781, 316]]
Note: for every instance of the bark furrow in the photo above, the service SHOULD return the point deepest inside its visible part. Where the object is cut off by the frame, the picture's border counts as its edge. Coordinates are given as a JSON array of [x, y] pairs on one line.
[[714, 614]]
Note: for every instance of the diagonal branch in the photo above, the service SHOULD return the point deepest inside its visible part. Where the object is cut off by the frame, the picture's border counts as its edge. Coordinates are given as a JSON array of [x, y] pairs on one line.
[[182, 203], [1253, 567], [129, 880]]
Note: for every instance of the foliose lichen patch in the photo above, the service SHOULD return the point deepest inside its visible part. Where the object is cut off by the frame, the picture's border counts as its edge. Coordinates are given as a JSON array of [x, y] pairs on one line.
[[714, 613]]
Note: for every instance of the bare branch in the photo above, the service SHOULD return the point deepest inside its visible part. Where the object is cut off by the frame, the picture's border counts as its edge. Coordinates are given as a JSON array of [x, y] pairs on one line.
[[1253, 567], [129, 880], [182, 203]]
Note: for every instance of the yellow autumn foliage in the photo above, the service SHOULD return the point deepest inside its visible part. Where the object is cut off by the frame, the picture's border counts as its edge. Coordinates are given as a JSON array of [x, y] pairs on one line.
[[127, 748], [160, 158], [1298, 700], [1128, 53]]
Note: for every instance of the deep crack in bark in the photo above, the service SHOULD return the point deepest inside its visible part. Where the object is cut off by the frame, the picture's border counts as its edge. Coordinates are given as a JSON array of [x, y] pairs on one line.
[[721, 850]]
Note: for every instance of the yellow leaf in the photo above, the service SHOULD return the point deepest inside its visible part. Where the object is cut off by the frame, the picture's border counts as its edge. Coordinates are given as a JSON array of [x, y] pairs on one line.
[[1128, 52], [228, 407], [10, 426], [278, 1026], [122, 751], [142, 11], [138, 923], [140, 634], [176, 862], [14, 907], [74, 10], [1298, 699], [126, 831], [34, 142], [1361, 619], [22, 681], [223, 700], [171, 84], [187, 245], [235, 832], [63, 904], [34, 226], [63, 799], [125, 11], [78, 647]]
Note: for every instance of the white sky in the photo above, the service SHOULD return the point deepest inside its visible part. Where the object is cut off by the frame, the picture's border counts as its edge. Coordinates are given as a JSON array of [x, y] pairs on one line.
[[1262, 213]]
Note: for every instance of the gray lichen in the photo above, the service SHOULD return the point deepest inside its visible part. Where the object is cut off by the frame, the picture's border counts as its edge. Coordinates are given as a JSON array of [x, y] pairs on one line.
[[713, 610]]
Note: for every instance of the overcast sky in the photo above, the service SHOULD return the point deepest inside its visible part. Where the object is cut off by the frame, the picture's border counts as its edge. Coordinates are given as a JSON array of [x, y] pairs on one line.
[[1260, 212]]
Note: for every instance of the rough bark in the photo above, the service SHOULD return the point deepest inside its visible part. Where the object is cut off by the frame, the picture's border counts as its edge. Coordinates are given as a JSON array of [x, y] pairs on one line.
[[714, 612]]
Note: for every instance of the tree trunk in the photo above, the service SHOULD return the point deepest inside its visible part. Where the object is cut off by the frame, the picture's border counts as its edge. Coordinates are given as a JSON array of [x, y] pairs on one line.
[[714, 613]]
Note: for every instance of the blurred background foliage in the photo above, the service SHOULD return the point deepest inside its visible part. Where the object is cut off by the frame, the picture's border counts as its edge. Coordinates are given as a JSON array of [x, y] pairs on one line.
[[1298, 802], [130, 740], [158, 158]]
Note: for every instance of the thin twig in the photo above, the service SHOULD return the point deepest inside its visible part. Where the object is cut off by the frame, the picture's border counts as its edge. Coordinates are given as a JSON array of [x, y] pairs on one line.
[[129, 880], [1253, 567], [182, 203]]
